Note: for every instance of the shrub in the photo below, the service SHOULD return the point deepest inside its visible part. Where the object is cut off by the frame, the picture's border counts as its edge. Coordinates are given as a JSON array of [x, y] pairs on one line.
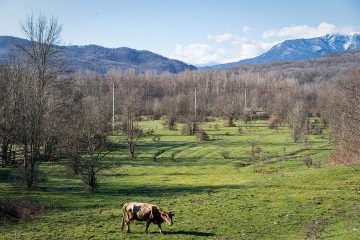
[[156, 116], [344, 158], [225, 154], [308, 161], [22, 176], [230, 123], [210, 119], [74, 163], [306, 144], [201, 135], [189, 128], [157, 154], [170, 122], [155, 138], [172, 156], [10, 210], [90, 169], [273, 122], [240, 129]]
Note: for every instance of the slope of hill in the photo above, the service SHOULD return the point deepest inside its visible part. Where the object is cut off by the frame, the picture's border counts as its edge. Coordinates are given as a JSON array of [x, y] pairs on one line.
[[320, 70], [300, 49], [101, 59]]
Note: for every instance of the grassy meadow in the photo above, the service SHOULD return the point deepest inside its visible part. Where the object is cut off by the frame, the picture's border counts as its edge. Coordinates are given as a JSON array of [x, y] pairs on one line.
[[274, 196]]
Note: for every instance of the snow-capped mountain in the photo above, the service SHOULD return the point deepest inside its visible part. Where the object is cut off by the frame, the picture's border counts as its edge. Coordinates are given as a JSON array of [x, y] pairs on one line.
[[301, 49]]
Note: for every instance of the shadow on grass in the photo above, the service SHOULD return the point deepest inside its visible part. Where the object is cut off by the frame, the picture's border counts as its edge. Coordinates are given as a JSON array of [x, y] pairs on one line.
[[155, 191], [191, 233], [5, 174]]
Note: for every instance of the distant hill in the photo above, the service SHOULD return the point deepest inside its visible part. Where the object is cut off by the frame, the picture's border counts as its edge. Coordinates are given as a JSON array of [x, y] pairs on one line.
[[319, 70], [300, 49], [101, 59]]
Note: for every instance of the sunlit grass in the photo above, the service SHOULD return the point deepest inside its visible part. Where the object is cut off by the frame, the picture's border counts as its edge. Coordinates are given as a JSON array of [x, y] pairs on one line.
[[213, 197]]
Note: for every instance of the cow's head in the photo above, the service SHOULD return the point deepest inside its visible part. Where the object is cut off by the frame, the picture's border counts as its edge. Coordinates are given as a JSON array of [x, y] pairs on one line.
[[168, 217]]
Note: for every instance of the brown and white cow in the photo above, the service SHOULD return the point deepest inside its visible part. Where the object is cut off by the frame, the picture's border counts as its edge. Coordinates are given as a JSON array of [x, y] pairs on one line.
[[145, 212]]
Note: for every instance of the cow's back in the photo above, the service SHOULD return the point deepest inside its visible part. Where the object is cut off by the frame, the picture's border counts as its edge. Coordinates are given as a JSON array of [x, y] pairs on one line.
[[140, 211]]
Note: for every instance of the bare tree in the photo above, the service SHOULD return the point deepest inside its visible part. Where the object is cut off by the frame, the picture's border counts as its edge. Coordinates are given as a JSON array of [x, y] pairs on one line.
[[8, 112], [40, 60], [297, 119], [343, 114]]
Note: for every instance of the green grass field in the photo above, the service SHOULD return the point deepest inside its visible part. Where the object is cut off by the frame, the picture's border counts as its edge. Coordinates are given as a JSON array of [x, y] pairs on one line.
[[216, 198]]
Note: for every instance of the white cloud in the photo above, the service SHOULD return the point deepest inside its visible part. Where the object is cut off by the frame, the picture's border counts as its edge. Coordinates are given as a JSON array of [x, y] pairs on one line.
[[303, 31], [220, 38], [246, 29], [200, 54], [227, 47], [239, 40], [205, 54]]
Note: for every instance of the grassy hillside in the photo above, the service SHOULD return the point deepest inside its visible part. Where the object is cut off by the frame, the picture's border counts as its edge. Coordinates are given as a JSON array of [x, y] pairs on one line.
[[272, 197]]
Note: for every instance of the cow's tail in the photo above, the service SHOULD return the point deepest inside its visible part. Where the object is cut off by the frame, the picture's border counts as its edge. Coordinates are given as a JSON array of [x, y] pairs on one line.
[[124, 215]]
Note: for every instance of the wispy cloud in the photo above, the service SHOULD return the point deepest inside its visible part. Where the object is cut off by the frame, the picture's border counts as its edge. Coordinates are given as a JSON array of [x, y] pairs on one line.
[[246, 29], [305, 31], [221, 37]]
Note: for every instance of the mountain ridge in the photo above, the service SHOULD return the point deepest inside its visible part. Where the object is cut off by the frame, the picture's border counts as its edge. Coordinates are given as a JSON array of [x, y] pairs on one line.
[[299, 50], [101, 59]]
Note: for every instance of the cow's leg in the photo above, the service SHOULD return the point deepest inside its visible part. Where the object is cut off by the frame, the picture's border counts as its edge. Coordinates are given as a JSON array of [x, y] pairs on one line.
[[123, 223], [127, 222], [128, 226], [123, 220], [160, 230], [147, 225]]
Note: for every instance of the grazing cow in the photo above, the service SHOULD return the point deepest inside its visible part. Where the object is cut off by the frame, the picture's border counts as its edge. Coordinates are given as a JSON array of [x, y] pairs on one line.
[[145, 212]]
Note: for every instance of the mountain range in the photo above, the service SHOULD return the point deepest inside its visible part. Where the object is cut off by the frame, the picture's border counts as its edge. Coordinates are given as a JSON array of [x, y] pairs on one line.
[[300, 49], [100, 59]]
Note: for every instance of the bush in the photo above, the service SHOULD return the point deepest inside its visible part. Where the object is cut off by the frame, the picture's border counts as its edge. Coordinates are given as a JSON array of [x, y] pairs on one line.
[[156, 116], [273, 122], [229, 123], [172, 156], [201, 135], [74, 163], [189, 128], [10, 210], [308, 161], [90, 169], [225, 154], [170, 122], [315, 126], [22, 176], [345, 158], [210, 119], [155, 138], [158, 153]]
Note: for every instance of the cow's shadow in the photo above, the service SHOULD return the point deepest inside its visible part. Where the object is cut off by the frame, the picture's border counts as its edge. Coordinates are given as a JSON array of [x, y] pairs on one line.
[[191, 233]]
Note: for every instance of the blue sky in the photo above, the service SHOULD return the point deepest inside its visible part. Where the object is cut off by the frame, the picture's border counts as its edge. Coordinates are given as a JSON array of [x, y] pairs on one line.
[[200, 32]]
